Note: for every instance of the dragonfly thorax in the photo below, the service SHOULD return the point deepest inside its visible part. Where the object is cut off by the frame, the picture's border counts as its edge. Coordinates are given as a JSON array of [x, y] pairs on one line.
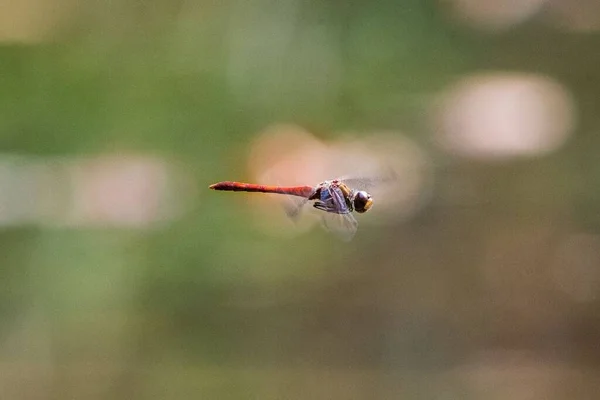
[[355, 200]]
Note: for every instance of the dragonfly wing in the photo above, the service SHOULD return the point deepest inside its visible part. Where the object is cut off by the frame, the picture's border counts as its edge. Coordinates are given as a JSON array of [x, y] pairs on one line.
[[343, 226], [293, 207], [337, 218], [369, 183]]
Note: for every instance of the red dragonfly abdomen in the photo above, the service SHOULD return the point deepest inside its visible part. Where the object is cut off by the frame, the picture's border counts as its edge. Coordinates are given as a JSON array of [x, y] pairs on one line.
[[300, 191]]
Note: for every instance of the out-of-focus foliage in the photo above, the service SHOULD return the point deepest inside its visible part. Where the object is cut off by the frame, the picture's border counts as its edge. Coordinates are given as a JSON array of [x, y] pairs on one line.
[[489, 291]]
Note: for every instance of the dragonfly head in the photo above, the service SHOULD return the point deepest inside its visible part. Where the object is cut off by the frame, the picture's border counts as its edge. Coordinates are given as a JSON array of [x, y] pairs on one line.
[[362, 201]]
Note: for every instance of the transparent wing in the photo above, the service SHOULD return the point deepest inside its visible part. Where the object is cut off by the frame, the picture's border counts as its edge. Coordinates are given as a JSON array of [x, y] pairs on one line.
[[337, 218], [369, 182], [293, 207], [343, 226]]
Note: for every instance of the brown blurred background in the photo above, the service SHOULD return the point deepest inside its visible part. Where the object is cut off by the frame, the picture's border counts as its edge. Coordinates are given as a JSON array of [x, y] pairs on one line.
[[475, 276]]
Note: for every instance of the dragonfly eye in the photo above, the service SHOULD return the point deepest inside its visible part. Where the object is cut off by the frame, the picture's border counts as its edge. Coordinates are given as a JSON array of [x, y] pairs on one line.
[[362, 202]]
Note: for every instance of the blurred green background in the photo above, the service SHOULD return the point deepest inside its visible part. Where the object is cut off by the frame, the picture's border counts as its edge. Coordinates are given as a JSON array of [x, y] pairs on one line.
[[494, 299]]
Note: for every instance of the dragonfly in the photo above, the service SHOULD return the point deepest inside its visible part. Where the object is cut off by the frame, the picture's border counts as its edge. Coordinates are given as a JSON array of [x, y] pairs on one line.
[[337, 198]]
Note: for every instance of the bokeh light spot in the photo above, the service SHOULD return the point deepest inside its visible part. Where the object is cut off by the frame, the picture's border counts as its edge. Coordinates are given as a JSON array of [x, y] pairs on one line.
[[494, 15], [392, 168], [498, 116]]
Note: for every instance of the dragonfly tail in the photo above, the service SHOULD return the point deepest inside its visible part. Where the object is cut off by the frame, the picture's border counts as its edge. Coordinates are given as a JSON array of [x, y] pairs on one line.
[[300, 191]]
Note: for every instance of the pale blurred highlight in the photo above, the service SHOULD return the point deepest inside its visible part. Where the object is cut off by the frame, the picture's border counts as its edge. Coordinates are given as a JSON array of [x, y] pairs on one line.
[[504, 115], [582, 16], [494, 15], [121, 191], [403, 168], [134, 191], [288, 155]]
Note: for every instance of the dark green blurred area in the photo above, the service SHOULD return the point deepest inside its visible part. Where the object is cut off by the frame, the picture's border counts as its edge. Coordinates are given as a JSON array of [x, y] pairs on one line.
[[209, 307]]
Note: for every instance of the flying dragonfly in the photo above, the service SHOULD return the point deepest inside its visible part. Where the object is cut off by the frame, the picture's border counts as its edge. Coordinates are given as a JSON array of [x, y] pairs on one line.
[[338, 198]]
